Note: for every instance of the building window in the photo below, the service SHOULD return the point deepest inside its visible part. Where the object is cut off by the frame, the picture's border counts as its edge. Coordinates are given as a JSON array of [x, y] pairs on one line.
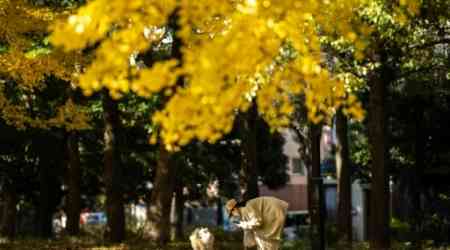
[[298, 167]]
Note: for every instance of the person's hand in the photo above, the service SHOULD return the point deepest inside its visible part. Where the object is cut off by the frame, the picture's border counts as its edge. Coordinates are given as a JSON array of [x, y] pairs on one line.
[[250, 224], [244, 225]]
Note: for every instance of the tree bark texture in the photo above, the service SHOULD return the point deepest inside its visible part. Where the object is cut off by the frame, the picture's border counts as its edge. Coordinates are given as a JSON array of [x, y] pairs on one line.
[[9, 213], [344, 216], [416, 186], [316, 205], [73, 204], [179, 208], [113, 172], [379, 203], [46, 200], [161, 199]]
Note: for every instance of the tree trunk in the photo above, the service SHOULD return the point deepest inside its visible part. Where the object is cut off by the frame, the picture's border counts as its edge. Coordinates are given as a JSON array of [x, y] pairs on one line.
[[74, 181], [179, 209], [8, 226], [45, 201], [344, 216], [248, 175], [113, 172], [416, 180], [164, 182], [161, 198], [379, 217], [316, 205], [401, 196], [49, 187]]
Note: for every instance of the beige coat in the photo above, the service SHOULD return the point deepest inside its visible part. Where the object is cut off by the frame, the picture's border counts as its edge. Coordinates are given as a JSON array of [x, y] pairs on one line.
[[270, 212]]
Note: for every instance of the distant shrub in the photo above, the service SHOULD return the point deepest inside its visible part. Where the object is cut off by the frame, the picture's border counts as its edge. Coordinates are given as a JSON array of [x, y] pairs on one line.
[[296, 245], [400, 230]]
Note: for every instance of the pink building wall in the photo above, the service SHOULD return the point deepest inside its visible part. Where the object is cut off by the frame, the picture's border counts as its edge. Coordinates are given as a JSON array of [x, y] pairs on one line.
[[295, 191]]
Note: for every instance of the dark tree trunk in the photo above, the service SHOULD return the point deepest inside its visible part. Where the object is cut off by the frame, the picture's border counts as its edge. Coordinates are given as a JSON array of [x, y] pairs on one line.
[[344, 216], [417, 172], [316, 205], [73, 204], [161, 199], [379, 204], [248, 176], [401, 196], [179, 209], [113, 172], [164, 182], [9, 213], [46, 201], [51, 151]]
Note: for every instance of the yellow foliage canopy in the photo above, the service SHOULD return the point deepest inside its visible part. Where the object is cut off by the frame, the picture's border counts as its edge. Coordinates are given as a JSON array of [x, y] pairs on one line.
[[228, 54], [19, 22]]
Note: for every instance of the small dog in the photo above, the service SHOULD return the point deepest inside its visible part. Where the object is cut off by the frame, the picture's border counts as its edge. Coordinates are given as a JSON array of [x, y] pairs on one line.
[[202, 239]]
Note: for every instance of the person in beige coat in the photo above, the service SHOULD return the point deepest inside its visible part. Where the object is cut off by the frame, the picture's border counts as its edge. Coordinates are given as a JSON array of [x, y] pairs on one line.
[[262, 220]]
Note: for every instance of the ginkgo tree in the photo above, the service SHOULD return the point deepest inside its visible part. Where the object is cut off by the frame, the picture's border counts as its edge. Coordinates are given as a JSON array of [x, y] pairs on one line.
[[35, 89], [229, 59], [389, 42], [225, 58], [27, 61], [228, 55]]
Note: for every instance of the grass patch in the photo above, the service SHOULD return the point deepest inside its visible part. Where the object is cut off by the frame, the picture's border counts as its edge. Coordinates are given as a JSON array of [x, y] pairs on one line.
[[88, 244]]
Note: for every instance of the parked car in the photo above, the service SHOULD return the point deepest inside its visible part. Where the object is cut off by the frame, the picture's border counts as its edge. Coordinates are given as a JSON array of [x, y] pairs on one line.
[[98, 218]]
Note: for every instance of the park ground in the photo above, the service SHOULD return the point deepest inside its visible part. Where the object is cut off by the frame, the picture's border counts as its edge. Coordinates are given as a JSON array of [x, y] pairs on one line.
[[224, 241]]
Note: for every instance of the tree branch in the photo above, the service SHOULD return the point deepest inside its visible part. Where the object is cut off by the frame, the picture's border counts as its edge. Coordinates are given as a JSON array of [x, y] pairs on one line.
[[414, 71], [431, 43]]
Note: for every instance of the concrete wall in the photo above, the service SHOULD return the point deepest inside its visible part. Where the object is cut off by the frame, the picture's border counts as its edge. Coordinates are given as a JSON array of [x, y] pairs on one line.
[[330, 196], [359, 210]]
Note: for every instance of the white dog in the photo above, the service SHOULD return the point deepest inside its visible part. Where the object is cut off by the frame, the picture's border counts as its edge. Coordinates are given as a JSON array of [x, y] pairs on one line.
[[202, 239]]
